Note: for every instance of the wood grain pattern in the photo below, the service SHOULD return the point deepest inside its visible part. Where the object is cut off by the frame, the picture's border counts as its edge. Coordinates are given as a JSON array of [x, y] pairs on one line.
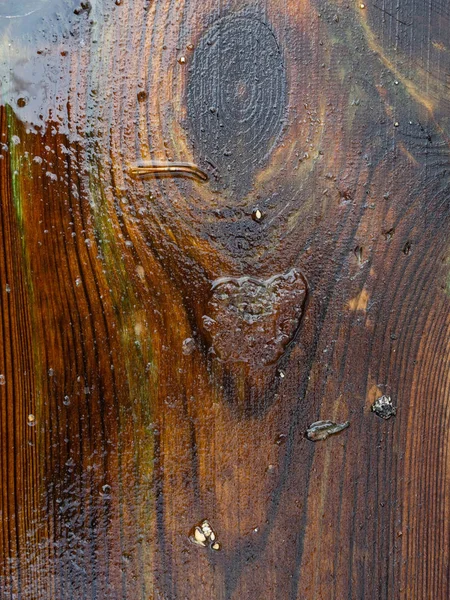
[[125, 418]]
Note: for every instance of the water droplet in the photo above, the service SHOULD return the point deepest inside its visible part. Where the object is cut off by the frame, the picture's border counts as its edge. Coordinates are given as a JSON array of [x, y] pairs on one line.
[[257, 215], [384, 408], [31, 420], [2, 380], [362, 6], [190, 47], [281, 374], [396, 124], [202, 534], [78, 281], [106, 489], [7, 288], [22, 102], [84, 7], [320, 430], [142, 96], [182, 60], [51, 372], [66, 400], [199, 536], [188, 346]]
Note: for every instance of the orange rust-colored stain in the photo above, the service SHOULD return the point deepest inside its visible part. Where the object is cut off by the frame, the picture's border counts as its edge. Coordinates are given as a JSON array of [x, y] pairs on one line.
[[360, 301]]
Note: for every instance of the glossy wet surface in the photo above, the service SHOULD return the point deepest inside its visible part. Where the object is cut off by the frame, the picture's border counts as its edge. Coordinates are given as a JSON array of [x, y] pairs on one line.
[[166, 342]]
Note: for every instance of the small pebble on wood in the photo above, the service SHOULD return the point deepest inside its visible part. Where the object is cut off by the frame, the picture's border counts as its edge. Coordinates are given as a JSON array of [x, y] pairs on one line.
[[384, 408], [320, 430]]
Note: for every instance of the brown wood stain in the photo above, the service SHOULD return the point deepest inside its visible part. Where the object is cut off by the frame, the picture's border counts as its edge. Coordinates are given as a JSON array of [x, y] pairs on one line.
[[167, 341]]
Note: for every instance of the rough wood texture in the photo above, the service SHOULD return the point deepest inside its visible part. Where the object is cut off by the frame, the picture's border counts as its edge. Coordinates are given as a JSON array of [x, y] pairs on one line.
[[140, 391]]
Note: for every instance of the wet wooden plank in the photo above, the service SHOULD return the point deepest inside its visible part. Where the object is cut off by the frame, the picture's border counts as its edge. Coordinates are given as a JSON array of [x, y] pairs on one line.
[[166, 342]]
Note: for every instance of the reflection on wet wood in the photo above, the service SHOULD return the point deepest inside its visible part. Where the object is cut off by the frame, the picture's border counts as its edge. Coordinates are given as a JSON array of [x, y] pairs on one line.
[[152, 169], [166, 343]]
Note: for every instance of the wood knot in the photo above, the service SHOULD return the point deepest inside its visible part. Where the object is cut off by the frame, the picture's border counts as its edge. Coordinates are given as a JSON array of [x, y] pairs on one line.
[[236, 98]]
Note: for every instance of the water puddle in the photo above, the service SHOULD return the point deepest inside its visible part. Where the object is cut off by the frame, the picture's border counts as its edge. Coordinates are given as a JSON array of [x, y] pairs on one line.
[[252, 320]]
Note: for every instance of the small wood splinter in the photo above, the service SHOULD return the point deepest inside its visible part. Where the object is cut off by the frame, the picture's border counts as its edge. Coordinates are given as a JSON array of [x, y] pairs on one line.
[[173, 169]]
